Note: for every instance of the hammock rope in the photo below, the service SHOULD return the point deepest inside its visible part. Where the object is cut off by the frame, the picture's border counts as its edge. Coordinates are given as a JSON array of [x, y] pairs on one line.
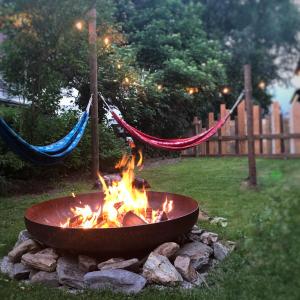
[[173, 144]]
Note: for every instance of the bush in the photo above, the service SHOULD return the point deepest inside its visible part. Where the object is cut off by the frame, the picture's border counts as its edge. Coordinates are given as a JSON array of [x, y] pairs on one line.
[[45, 130]]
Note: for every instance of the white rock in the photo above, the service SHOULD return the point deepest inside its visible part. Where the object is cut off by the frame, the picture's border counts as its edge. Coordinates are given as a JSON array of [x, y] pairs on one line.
[[208, 238], [167, 249], [116, 280], [184, 267], [158, 269], [220, 251], [24, 247], [68, 273], [198, 252]]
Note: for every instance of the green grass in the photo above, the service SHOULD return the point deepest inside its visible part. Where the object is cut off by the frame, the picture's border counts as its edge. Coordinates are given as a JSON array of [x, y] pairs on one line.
[[264, 222]]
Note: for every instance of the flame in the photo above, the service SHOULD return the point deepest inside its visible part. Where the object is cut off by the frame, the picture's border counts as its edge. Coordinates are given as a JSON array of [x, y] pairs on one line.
[[121, 197]]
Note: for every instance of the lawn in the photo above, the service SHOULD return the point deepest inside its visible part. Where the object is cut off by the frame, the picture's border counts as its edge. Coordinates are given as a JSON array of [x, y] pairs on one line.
[[264, 222]]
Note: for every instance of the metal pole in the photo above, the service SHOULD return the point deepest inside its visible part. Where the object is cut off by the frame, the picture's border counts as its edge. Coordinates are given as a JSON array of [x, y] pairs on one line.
[[94, 90], [249, 108]]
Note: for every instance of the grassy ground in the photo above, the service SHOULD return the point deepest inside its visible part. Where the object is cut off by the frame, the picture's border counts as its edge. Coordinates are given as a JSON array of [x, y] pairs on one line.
[[265, 223]]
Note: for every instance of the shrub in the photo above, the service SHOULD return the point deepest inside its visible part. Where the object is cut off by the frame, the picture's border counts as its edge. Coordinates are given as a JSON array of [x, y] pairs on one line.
[[46, 130]]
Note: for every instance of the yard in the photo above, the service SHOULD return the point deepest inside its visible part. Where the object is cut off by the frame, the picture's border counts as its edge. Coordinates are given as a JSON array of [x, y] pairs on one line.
[[263, 222]]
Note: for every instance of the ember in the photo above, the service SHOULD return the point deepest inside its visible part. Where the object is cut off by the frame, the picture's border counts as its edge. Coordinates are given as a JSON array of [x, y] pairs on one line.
[[124, 204]]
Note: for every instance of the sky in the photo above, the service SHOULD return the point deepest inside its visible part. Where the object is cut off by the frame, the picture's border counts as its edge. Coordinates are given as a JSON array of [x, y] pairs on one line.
[[283, 93]]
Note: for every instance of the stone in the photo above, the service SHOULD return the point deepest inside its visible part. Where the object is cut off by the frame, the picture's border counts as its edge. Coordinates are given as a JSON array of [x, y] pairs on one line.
[[220, 251], [116, 280], [49, 252], [39, 261], [68, 272], [110, 261], [158, 269], [203, 216], [209, 238], [24, 247], [87, 263], [20, 271], [6, 266], [167, 249], [198, 252], [32, 273], [130, 265], [194, 237], [186, 285], [197, 231], [230, 245], [24, 235], [184, 266], [47, 278], [200, 279]]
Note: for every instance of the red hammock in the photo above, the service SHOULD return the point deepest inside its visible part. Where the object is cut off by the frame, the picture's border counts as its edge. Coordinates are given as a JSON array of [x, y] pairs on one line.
[[170, 144], [173, 144]]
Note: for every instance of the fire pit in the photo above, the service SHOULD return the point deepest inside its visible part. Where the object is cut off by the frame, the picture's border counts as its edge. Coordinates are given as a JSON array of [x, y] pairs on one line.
[[44, 221]]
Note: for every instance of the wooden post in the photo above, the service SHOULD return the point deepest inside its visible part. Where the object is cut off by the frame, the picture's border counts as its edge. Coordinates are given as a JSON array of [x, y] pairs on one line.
[[212, 144], [197, 124], [223, 131], [92, 15], [241, 121], [276, 127], [256, 127], [249, 107], [266, 129]]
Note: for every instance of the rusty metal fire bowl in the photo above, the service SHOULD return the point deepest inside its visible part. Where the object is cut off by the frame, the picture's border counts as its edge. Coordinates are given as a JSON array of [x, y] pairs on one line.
[[43, 222]]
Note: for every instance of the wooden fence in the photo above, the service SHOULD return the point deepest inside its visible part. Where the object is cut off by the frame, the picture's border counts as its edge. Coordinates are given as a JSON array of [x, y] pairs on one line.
[[275, 135]]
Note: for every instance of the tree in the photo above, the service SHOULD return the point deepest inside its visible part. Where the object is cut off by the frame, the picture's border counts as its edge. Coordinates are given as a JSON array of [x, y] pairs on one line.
[[263, 33], [43, 52], [183, 71]]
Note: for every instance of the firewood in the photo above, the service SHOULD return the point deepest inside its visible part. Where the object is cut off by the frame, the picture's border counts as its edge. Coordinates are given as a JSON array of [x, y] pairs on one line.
[[75, 221], [131, 219], [161, 216], [118, 205], [149, 214]]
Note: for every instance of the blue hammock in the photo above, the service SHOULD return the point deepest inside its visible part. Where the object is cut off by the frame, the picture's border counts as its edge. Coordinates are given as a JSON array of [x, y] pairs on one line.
[[49, 154]]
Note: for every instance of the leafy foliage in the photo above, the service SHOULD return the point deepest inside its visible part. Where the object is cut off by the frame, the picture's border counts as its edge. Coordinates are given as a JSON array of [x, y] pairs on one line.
[[47, 130], [262, 33]]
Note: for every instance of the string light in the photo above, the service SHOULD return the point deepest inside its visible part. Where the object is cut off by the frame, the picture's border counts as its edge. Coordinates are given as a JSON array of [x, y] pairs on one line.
[[106, 41], [262, 85], [79, 25], [192, 90], [159, 87], [119, 66], [126, 79], [226, 90]]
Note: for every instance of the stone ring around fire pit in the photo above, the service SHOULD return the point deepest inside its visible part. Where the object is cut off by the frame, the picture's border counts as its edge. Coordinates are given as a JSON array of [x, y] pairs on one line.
[[43, 222]]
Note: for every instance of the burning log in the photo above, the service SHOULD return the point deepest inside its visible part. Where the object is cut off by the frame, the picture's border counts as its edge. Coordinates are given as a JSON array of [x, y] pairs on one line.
[[118, 205], [75, 221], [131, 219], [161, 216], [149, 214]]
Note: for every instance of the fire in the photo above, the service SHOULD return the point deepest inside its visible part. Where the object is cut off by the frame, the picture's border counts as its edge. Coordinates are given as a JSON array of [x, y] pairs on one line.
[[123, 205]]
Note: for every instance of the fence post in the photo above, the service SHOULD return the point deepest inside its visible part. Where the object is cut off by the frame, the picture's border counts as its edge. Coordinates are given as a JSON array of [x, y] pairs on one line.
[[266, 144], [197, 124], [241, 121], [275, 127], [256, 127], [212, 144], [249, 105], [295, 125]]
